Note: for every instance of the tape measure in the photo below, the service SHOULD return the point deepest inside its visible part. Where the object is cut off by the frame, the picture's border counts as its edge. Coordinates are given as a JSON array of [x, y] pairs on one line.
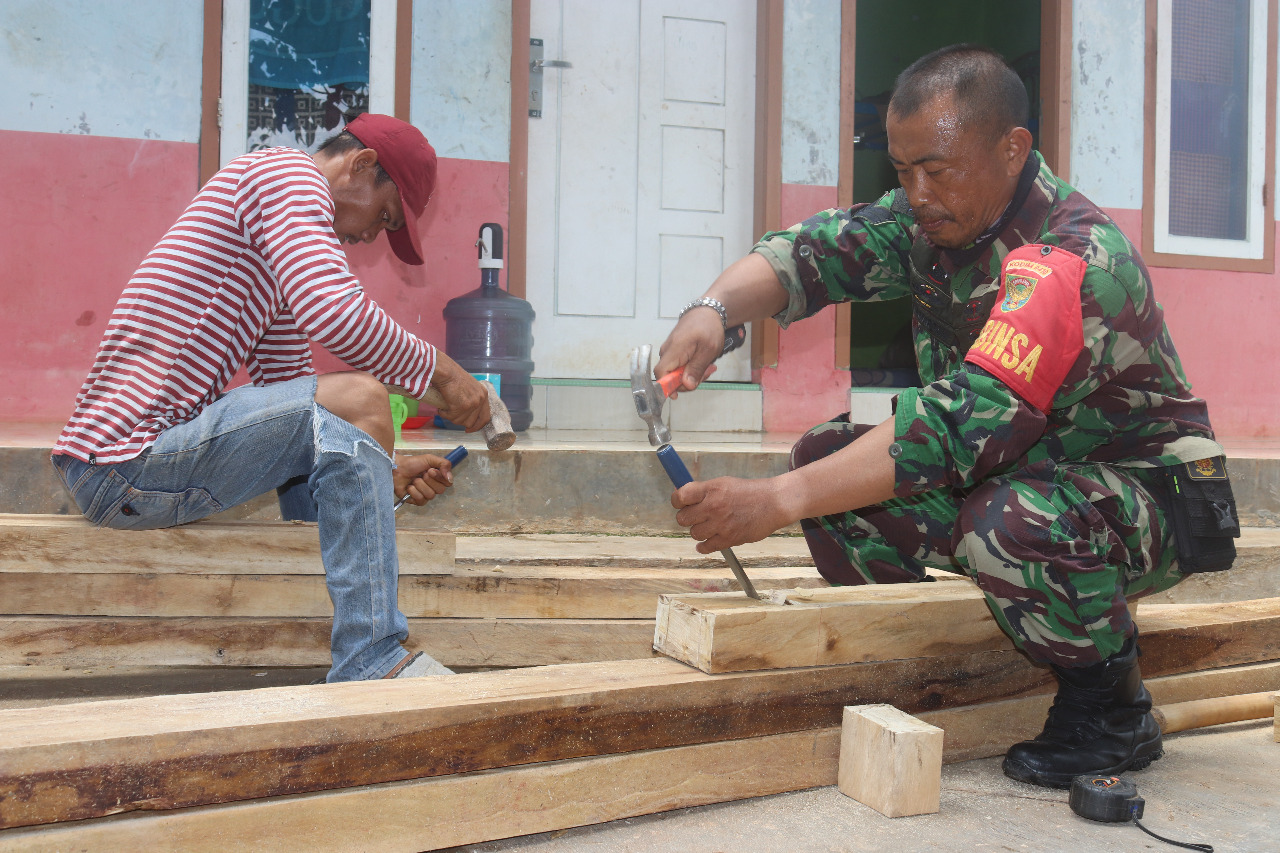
[[1110, 799]]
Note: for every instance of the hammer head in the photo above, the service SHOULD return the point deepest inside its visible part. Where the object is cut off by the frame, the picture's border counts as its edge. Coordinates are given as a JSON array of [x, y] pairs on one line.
[[498, 434], [648, 396]]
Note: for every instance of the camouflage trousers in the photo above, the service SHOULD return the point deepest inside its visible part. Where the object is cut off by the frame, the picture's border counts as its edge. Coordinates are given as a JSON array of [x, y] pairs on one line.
[[1057, 548]]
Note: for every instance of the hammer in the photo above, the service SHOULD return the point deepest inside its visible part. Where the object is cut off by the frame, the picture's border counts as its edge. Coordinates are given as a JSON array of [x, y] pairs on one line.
[[498, 434], [649, 396]]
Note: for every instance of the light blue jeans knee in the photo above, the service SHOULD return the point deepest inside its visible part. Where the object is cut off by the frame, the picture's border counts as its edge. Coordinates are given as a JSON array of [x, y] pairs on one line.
[[252, 440]]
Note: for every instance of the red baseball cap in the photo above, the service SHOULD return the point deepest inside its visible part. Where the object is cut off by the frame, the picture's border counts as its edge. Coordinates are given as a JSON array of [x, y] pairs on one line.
[[410, 161]]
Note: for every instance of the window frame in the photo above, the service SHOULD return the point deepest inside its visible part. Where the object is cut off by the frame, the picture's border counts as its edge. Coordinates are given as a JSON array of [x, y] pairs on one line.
[[1255, 253], [224, 117]]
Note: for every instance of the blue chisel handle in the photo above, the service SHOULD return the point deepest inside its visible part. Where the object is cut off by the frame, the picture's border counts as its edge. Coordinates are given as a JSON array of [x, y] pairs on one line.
[[679, 475], [454, 456], [674, 466]]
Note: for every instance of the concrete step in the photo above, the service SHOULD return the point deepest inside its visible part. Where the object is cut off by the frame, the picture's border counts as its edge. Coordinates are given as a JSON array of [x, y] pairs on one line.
[[568, 482], [565, 483]]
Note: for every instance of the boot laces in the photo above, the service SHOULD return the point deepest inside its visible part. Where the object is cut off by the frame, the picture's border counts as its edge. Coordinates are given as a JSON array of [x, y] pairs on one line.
[[1074, 720]]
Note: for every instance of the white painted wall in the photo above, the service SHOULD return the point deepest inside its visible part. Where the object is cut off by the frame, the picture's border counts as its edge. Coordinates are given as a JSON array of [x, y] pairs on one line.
[[461, 77], [1108, 79], [129, 70], [811, 92], [1107, 101]]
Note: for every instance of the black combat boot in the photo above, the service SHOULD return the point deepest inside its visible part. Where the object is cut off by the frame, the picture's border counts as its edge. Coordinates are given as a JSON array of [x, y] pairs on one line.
[[1100, 724]]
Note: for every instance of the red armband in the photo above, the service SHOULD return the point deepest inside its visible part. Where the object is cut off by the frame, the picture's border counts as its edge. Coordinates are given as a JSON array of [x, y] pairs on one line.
[[1035, 331]]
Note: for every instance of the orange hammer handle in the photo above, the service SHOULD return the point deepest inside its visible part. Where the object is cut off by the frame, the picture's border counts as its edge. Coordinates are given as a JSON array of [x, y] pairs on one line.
[[671, 382]]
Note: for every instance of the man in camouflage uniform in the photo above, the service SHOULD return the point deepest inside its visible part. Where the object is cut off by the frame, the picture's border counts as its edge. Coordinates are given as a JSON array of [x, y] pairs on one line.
[[1052, 402]]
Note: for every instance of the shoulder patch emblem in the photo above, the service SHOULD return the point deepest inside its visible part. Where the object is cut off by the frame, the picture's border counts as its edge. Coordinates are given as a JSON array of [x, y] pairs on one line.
[[1031, 350], [1018, 289]]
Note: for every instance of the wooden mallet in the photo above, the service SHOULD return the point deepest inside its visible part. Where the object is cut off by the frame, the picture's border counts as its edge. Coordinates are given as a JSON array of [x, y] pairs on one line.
[[498, 434]]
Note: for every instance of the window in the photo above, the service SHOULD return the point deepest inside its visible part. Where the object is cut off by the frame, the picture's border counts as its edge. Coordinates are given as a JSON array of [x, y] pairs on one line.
[[1211, 155], [294, 72]]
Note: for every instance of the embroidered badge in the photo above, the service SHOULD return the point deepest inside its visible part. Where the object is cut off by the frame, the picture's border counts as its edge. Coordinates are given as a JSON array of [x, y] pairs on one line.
[[1018, 289], [1206, 469]]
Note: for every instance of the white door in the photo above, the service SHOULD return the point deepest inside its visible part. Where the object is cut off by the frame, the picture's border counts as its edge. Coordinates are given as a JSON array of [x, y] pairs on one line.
[[640, 174]]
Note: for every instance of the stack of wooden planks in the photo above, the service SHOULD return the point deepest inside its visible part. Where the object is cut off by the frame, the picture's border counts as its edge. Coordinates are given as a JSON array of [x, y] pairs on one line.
[[252, 594], [747, 700], [435, 762]]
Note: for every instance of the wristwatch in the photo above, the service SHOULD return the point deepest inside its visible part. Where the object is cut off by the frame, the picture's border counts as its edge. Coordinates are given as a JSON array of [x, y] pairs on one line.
[[708, 302]]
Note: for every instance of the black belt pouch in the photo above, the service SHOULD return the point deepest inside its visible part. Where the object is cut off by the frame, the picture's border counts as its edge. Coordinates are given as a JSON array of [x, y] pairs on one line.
[[1202, 513]]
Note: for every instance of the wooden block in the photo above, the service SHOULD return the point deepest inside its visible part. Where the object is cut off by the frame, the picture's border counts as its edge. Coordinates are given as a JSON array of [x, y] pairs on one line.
[[87, 760], [515, 592], [890, 761], [428, 814], [725, 632], [180, 641], [56, 543]]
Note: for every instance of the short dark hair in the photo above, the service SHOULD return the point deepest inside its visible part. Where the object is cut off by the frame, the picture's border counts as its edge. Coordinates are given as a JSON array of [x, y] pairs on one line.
[[988, 93], [347, 141]]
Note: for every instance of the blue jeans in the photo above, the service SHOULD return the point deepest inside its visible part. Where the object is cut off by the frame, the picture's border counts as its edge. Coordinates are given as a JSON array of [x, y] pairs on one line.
[[252, 440]]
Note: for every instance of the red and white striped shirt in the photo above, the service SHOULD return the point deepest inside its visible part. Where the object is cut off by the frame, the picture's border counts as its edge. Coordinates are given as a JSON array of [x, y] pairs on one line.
[[250, 271]]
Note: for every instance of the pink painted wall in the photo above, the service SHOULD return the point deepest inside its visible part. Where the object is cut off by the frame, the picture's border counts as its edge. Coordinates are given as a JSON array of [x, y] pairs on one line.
[[805, 388], [81, 212], [1225, 326]]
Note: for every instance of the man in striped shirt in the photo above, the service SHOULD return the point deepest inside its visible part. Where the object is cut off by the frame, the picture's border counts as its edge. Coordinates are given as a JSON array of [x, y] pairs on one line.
[[250, 273]]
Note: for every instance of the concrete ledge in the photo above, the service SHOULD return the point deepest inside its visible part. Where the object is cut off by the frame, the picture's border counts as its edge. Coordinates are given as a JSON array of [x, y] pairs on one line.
[[587, 488], [520, 491]]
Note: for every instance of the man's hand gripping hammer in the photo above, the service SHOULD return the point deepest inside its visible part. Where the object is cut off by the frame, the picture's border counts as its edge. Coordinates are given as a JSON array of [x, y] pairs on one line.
[[649, 397], [498, 434]]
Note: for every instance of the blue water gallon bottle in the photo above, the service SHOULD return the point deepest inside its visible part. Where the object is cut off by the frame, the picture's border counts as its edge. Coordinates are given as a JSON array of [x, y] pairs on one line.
[[490, 331]]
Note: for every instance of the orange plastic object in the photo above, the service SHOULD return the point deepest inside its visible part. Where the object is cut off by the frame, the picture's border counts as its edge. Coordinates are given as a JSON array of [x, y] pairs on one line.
[[671, 382]]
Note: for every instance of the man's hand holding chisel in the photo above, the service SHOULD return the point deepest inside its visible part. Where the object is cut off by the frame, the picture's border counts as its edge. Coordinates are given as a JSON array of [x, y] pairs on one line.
[[418, 479]]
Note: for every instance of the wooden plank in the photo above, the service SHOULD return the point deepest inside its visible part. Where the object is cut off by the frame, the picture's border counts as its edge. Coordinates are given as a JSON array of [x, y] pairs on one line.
[[476, 807], [513, 592], [461, 809], [890, 761], [56, 543], [722, 632], [91, 759], [729, 633], [584, 549], [429, 814], [38, 686], [989, 729], [121, 641]]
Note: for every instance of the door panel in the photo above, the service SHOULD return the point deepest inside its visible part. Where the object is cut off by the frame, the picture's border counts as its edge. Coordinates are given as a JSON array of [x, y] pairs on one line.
[[640, 174]]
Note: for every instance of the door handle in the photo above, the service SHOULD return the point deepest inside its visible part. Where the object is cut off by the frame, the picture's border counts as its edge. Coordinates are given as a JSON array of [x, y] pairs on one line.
[[536, 64]]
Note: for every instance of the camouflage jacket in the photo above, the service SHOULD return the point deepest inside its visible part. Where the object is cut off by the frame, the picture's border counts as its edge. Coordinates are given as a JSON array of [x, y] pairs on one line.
[[1062, 353]]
